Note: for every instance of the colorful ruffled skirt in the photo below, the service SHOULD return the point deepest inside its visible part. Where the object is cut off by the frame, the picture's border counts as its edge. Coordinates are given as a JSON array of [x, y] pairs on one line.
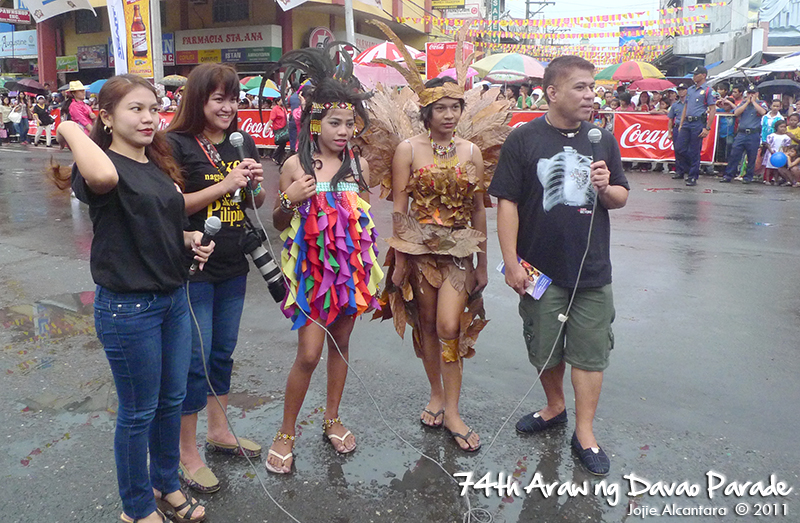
[[330, 258]]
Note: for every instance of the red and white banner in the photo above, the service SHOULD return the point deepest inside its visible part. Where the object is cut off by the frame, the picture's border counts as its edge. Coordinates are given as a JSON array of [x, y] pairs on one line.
[[645, 137], [249, 122], [641, 136]]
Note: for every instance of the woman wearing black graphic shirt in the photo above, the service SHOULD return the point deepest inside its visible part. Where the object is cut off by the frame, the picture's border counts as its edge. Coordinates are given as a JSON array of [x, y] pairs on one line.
[[199, 135], [127, 176]]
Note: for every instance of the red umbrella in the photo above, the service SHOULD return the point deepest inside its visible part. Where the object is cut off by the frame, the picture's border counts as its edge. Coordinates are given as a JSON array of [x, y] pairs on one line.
[[651, 84], [386, 50]]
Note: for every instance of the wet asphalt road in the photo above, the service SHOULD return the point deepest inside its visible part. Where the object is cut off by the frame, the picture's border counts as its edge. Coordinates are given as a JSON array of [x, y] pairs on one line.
[[704, 376]]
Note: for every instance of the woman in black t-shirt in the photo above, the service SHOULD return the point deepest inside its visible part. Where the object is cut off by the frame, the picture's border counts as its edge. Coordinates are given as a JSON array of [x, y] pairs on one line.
[[132, 185], [199, 135], [44, 122]]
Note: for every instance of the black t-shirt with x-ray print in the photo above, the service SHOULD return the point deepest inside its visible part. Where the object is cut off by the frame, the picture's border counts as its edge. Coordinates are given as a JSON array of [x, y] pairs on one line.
[[228, 259], [547, 175]]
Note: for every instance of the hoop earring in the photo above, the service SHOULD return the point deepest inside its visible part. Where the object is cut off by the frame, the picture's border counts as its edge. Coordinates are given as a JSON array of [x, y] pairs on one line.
[[108, 129]]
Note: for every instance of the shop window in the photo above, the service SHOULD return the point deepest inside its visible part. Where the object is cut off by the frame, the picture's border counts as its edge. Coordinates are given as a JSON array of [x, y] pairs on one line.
[[230, 10], [86, 22], [163, 13]]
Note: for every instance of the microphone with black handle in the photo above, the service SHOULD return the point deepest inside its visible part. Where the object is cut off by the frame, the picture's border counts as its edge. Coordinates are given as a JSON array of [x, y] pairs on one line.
[[211, 228], [237, 141]]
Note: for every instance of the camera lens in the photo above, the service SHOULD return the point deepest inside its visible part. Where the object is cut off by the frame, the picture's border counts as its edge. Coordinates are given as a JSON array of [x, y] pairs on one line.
[[269, 271]]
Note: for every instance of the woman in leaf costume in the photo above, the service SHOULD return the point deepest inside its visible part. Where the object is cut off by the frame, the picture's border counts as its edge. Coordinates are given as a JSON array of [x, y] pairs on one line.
[[437, 182]]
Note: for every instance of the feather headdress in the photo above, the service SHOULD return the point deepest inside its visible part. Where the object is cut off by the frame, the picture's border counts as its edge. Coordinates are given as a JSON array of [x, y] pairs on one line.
[[331, 86], [395, 114]]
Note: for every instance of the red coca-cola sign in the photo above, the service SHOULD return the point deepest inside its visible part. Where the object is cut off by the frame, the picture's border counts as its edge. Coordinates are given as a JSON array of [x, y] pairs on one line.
[[646, 137], [641, 136]]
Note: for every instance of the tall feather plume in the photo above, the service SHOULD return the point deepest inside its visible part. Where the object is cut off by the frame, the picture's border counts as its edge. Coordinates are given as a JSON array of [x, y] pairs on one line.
[[407, 69], [461, 65]]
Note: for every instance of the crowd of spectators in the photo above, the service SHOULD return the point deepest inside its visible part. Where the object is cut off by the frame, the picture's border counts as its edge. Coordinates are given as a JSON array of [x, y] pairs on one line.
[[782, 108]]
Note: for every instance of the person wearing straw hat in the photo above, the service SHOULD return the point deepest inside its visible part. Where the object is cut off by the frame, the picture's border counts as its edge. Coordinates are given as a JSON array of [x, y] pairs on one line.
[[80, 113]]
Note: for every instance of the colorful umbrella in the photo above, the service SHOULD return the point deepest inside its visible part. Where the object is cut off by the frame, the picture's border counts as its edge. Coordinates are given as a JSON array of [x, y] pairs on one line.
[[254, 82], [268, 92], [369, 75], [173, 80], [501, 67], [452, 73], [651, 84], [388, 51], [629, 71]]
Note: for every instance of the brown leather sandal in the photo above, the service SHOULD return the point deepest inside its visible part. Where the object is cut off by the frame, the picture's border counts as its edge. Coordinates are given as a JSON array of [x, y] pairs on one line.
[[172, 511]]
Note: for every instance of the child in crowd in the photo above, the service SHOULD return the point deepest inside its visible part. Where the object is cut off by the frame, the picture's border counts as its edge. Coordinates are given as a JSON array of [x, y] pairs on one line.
[[644, 102], [598, 118], [791, 171], [794, 130], [768, 120], [775, 142]]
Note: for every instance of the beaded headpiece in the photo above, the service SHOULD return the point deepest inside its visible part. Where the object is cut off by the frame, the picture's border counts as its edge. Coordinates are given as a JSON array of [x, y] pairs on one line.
[[331, 85], [429, 95], [316, 113]]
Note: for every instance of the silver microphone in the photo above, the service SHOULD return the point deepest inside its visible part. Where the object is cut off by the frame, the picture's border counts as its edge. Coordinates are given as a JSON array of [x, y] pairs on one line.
[[237, 141]]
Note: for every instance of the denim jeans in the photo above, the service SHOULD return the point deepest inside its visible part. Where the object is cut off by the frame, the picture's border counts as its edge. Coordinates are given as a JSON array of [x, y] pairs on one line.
[[146, 340], [743, 144], [218, 309], [22, 130]]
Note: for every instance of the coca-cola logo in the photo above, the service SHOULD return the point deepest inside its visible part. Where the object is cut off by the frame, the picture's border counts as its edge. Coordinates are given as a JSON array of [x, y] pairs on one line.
[[255, 128], [634, 136]]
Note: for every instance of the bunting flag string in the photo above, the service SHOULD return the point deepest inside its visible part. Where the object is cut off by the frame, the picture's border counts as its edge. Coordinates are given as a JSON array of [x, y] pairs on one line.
[[565, 22], [664, 31], [594, 54]]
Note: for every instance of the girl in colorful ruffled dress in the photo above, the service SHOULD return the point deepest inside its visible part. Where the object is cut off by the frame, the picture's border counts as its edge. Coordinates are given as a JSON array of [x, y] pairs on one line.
[[329, 255]]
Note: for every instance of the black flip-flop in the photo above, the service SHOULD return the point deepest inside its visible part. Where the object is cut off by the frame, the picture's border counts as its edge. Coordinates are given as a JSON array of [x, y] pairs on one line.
[[465, 437], [435, 415]]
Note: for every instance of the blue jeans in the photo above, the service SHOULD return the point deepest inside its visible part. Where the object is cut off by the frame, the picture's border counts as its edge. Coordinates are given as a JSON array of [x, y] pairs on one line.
[[218, 308], [743, 144], [690, 144], [22, 130], [146, 340]]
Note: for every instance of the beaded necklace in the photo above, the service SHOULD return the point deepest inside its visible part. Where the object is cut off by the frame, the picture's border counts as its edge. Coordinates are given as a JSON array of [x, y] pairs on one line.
[[444, 155]]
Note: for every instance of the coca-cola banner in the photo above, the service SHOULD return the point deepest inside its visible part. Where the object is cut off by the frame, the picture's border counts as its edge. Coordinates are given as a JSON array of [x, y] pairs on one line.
[[249, 122], [645, 137], [641, 136]]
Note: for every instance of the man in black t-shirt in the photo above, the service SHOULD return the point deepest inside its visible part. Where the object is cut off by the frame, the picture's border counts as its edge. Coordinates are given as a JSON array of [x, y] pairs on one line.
[[547, 181]]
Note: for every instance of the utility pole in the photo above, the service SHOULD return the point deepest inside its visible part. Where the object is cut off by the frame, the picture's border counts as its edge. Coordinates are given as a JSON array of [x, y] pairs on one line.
[[349, 24], [541, 4]]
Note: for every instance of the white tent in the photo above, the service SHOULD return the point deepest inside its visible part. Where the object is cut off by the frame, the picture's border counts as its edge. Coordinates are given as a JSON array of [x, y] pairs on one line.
[[786, 64]]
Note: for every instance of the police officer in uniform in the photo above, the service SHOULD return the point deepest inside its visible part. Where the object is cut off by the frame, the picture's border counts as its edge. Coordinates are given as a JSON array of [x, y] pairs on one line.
[[698, 114], [748, 135], [673, 123]]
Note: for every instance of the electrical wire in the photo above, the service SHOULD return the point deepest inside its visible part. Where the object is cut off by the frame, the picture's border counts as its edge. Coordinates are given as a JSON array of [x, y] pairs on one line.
[[476, 514]]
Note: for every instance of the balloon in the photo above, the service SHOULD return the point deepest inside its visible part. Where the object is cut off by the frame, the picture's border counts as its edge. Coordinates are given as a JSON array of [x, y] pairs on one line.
[[778, 160]]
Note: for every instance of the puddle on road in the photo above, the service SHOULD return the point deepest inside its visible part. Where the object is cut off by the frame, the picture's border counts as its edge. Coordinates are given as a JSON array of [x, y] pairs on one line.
[[57, 317]]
